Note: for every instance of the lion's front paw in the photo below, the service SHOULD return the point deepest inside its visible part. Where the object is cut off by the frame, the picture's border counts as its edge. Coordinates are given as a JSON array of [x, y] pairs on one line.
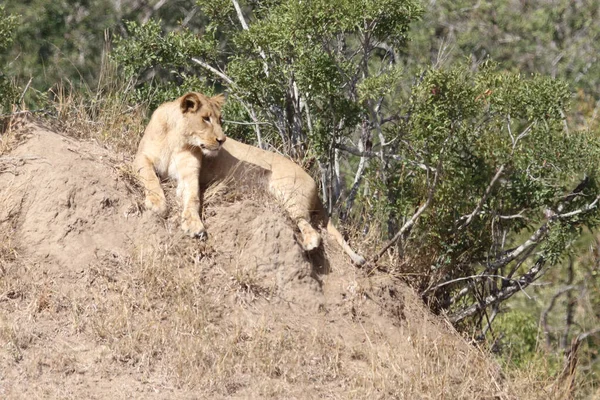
[[311, 241], [310, 237], [194, 228], [156, 204]]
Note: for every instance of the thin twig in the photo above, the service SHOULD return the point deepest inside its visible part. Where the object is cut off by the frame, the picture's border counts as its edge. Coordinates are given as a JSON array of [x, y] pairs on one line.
[[25, 91], [472, 277], [246, 122]]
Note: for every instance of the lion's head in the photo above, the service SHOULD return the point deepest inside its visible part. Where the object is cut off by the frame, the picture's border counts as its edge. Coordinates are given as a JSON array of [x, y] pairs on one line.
[[202, 122]]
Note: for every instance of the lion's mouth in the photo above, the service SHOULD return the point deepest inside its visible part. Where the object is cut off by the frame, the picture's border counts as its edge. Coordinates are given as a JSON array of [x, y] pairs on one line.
[[210, 150]]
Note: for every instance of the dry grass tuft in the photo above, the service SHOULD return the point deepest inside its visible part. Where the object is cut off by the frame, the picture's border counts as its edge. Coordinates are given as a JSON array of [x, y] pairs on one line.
[[102, 114]]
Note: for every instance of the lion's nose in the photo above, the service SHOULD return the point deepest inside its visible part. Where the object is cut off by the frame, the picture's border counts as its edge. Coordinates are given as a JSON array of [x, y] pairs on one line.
[[222, 140]]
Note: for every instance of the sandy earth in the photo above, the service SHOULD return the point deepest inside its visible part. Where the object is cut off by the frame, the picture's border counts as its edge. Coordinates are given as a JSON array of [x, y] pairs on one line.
[[101, 300]]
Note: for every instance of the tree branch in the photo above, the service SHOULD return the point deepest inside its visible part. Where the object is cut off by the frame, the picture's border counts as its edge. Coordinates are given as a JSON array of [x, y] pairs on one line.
[[488, 190], [546, 312], [415, 216], [240, 16], [360, 170], [539, 234], [372, 154], [517, 285], [213, 70]]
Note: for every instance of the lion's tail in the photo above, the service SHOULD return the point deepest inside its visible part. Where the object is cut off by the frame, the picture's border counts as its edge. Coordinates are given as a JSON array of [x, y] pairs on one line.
[[332, 230]]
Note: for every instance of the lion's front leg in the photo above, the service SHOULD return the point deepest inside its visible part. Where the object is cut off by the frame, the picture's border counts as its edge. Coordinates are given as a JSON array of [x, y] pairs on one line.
[[155, 197], [188, 175], [310, 237]]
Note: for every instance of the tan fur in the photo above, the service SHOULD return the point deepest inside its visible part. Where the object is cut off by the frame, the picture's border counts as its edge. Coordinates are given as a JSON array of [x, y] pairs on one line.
[[184, 141]]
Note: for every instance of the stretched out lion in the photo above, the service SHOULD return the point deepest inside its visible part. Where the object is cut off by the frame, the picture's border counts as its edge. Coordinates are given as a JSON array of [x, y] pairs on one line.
[[184, 141]]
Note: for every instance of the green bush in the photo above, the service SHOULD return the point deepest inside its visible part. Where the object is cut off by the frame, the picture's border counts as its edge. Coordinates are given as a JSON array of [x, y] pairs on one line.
[[8, 92]]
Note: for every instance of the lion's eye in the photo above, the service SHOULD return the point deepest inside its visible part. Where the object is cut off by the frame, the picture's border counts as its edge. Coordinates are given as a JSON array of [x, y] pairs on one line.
[[206, 119]]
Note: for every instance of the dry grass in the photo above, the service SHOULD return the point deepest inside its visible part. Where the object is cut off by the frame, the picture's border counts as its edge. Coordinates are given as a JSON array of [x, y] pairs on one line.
[[174, 316], [169, 309], [103, 113]]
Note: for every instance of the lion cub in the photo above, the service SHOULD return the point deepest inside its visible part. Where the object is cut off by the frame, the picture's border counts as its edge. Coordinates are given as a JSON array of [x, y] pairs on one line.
[[184, 141]]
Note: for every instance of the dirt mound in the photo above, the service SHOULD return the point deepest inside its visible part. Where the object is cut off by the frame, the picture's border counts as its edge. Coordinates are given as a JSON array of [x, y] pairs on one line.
[[99, 299]]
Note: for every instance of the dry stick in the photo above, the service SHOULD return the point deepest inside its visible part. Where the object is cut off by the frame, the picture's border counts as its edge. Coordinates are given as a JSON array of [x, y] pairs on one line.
[[25, 90]]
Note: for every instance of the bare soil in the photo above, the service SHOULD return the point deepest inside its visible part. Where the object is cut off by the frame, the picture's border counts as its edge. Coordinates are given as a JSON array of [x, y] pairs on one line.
[[101, 300]]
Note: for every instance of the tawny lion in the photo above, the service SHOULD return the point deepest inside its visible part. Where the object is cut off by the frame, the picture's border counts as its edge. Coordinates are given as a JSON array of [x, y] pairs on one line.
[[185, 141]]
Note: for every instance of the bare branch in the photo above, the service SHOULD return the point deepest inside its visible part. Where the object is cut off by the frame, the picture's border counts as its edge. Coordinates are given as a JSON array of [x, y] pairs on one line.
[[213, 70], [490, 320], [365, 134], [240, 16], [514, 139], [245, 122], [415, 216], [514, 216], [488, 190], [582, 336], [238, 10], [257, 124], [587, 208], [472, 277], [525, 280], [372, 154], [533, 240], [546, 312], [152, 10], [539, 234]]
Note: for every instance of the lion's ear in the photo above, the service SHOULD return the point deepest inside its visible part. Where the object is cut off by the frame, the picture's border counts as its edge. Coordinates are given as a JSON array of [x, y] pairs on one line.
[[218, 100], [190, 102]]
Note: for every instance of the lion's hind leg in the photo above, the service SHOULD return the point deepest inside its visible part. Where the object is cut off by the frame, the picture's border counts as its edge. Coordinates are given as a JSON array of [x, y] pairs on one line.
[[297, 192]]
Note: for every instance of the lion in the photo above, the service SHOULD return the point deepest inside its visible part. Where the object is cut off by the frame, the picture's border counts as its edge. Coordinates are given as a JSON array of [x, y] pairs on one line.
[[184, 141]]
